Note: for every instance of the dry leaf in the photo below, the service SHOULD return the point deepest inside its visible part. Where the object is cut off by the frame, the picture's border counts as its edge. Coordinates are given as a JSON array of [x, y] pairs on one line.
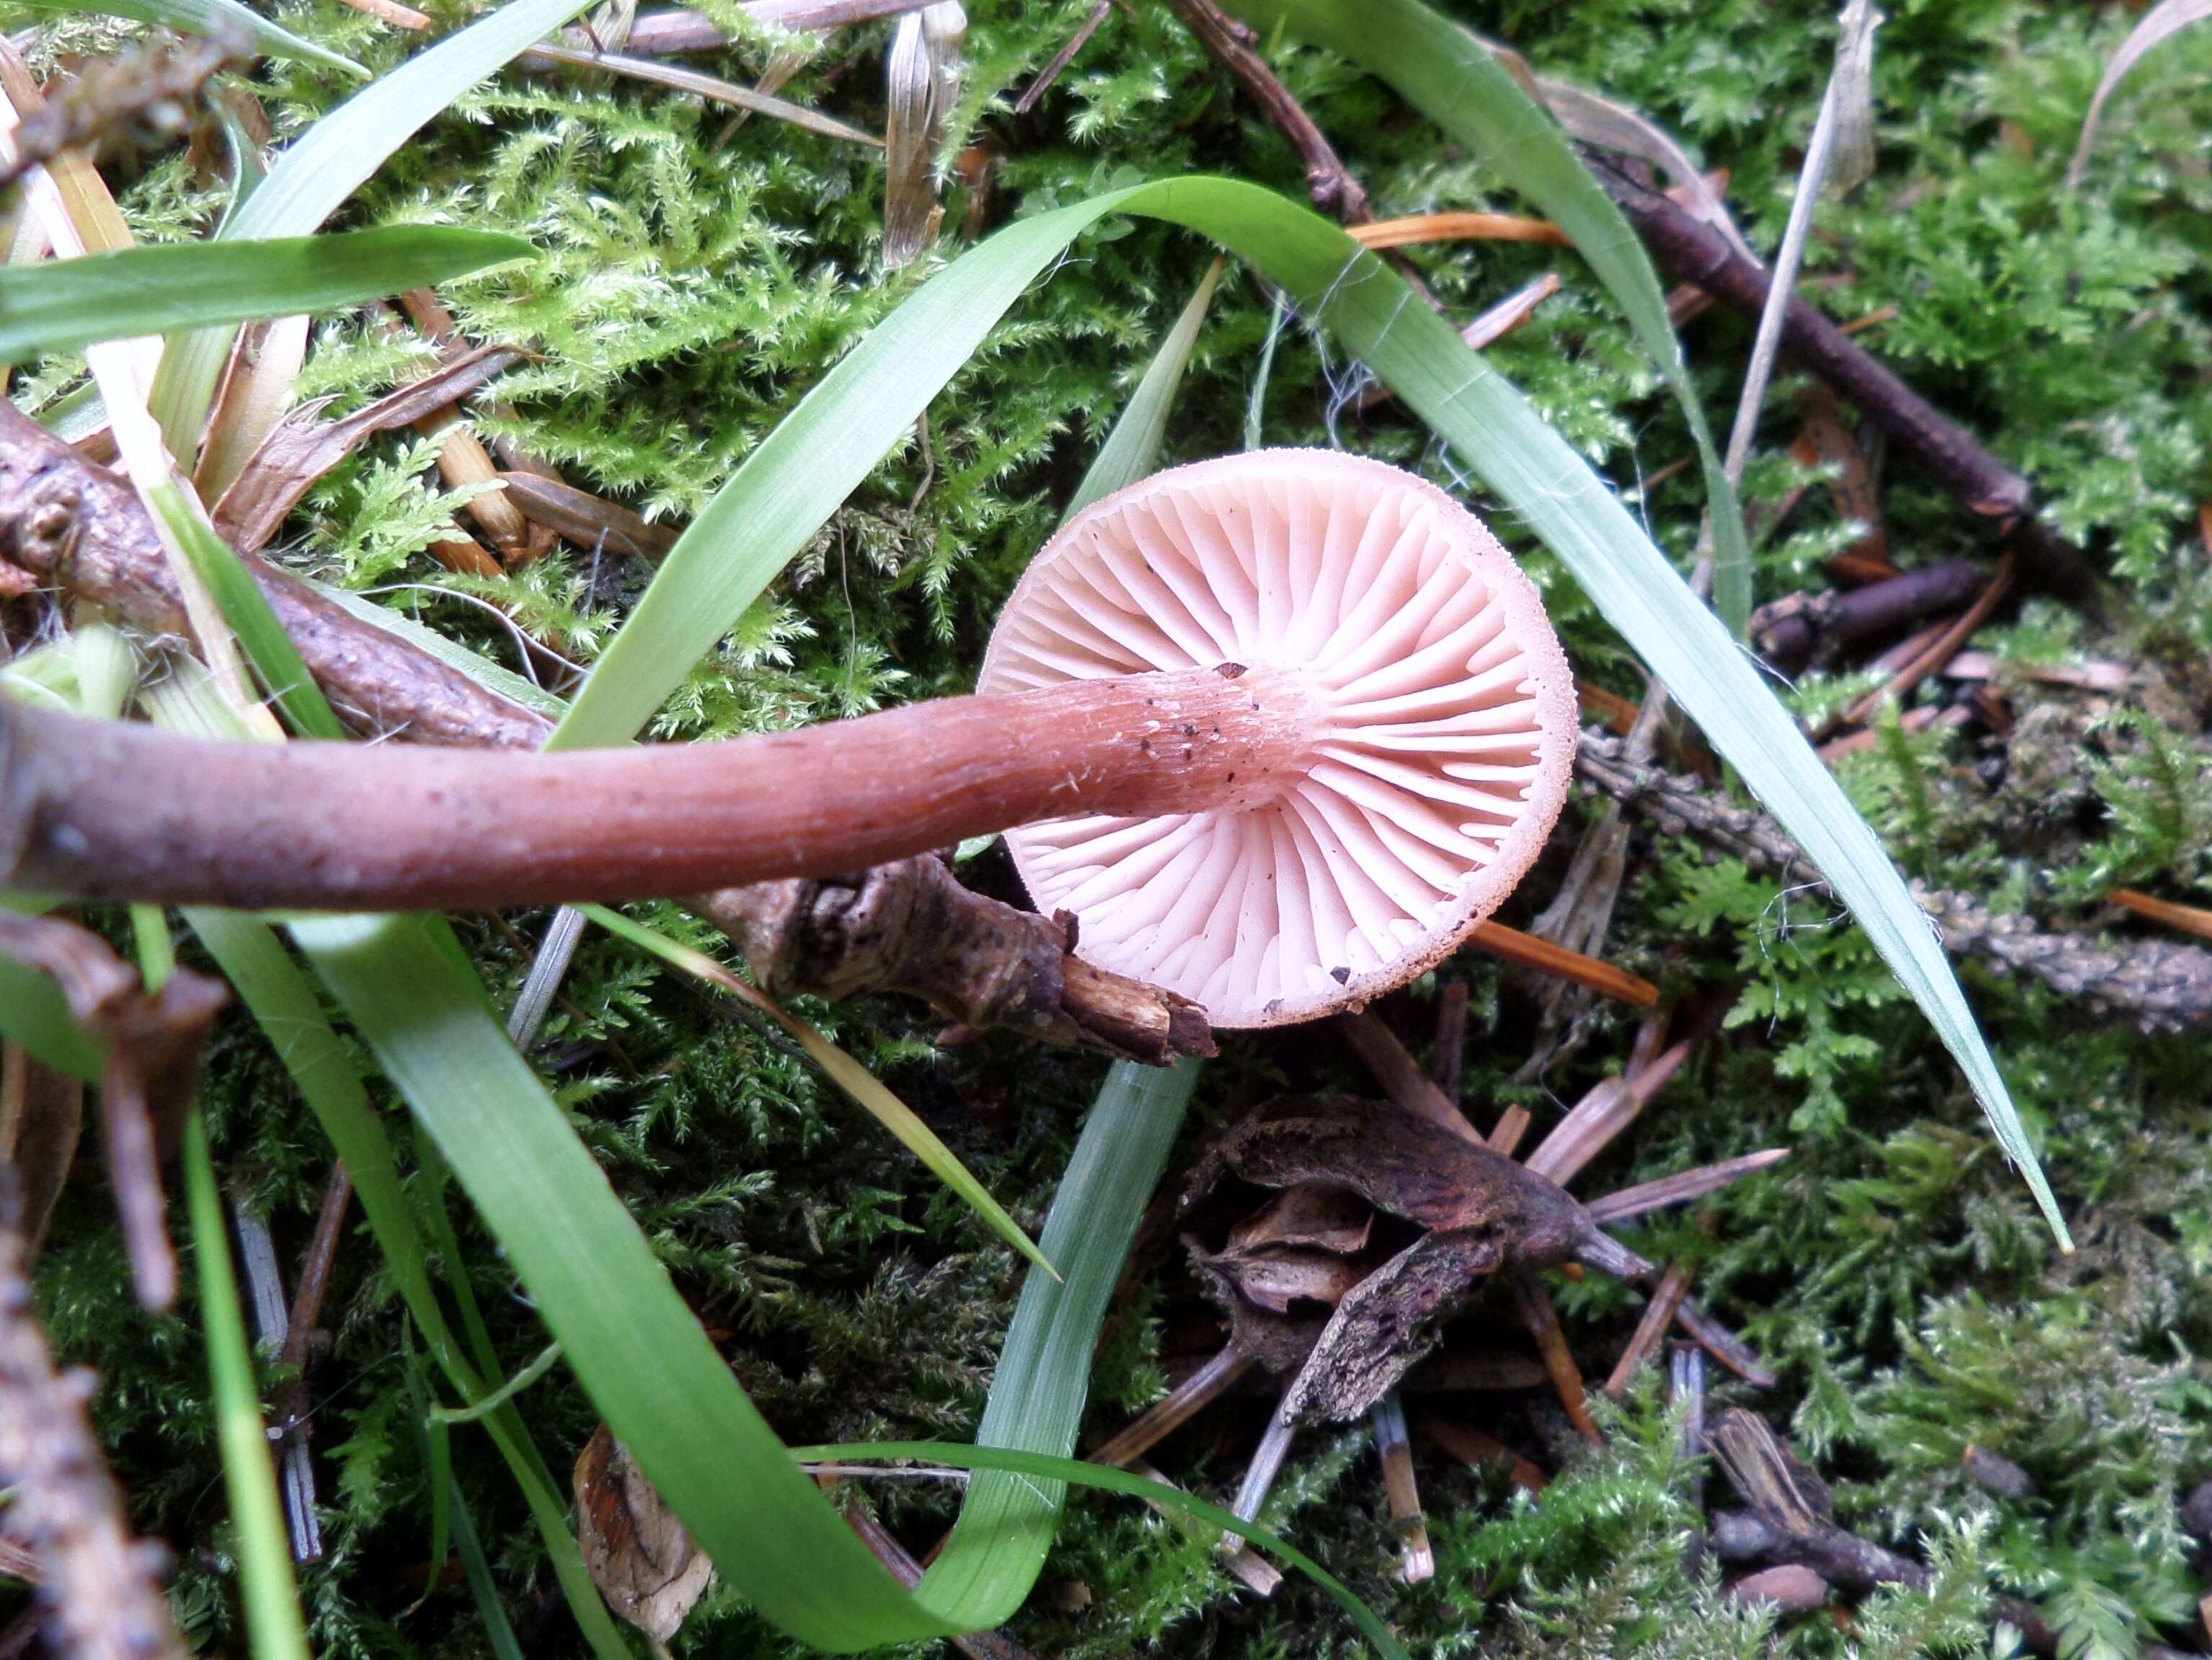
[[638, 1553], [923, 77], [2168, 18]]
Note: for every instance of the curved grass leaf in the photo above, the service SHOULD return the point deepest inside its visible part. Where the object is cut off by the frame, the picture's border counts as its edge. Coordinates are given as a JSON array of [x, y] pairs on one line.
[[1007, 1521], [1445, 72], [789, 486], [221, 19], [62, 305], [2159, 24], [329, 163], [848, 1074], [1075, 1472]]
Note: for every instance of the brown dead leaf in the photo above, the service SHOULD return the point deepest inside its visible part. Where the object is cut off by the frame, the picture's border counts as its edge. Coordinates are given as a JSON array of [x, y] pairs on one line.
[[303, 448], [638, 1553]]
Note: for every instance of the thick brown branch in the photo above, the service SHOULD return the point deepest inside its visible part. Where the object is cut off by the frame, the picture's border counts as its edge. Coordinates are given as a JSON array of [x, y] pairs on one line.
[[1691, 251], [1803, 628], [81, 529]]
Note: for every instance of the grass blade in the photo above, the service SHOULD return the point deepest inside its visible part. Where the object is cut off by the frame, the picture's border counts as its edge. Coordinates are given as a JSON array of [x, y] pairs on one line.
[[1007, 1520], [1075, 1472], [2162, 21], [264, 1557], [848, 1074], [223, 19], [328, 164], [628, 1336], [61, 306], [1445, 73], [1132, 448]]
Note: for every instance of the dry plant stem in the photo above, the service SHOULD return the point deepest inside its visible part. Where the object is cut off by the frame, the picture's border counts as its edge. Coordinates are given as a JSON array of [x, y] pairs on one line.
[[112, 93], [1688, 249], [106, 810], [1062, 59], [1164, 1416], [976, 1645], [1450, 1053], [1473, 1446], [906, 926], [2162, 986], [1650, 1330], [1679, 1189], [1409, 1088], [2189, 919], [1333, 189], [1528, 950], [1543, 1322], [98, 1586], [1940, 650], [1416, 1562]]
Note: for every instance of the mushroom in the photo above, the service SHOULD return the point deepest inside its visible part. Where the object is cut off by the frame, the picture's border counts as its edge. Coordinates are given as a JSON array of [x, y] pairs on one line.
[[1277, 729]]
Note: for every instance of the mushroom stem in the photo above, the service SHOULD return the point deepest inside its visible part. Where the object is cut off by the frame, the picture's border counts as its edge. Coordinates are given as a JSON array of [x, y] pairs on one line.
[[110, 811]]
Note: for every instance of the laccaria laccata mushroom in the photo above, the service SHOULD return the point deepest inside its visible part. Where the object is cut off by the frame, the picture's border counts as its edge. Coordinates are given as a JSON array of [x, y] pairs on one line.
[[1440, 734], [1278, 729]]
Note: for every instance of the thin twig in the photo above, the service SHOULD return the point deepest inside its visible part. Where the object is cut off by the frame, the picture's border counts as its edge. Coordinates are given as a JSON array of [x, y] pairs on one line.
[[1333, 189]]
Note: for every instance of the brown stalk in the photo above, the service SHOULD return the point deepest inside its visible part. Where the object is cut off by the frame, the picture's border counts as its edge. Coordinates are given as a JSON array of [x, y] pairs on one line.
[[1164, 1417], [99, 1588], [1592, 973], [906, 926], [41, 1120], [2189, 919], [1650, 1330], [1691, 251], [108, 810], [1679, 1189], [588, 521], [1417, 1559], [1543, 1322], [1062, 59], [1940, 650], [1450, 1049]]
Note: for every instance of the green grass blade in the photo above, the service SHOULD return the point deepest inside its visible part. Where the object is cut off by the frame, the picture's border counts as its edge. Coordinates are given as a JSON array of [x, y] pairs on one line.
[[282, 1002], [847, 1074], [628, 1336], [1075, 1472], [63, 305], [498, 1631], [223, 19], [34, 1014], [249, 1474], [1132, 448], [1443, 71], [1007, 1521], [330, 161]]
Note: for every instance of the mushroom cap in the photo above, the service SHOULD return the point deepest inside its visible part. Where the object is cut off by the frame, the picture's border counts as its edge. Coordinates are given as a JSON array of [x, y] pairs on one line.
[[1444, 736]]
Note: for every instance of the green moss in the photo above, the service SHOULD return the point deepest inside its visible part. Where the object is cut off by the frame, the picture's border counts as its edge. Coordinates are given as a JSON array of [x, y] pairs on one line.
[[696, 280]]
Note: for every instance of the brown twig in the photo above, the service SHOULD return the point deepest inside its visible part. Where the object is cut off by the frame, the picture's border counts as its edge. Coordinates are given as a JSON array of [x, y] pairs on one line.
[[1650, 1330], [1333, 189], [1062, 59], [1146, 1431], [906, 926], [1689, 250], [1801, 629], [2163, 986], [1543, 1320], [100, 1588]]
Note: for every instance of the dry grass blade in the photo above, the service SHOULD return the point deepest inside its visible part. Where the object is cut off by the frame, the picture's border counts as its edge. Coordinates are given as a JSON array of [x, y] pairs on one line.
[[1145, 1432], [1658, 1315], [303, 448], [1421, 227], [589, 521], [1062, 59], [923, 74], [2162, 21], [712, 87], [1417, 1561], [1681, 1189], [1543, 1322], [1408, 1087], [1851, 92], [256, 393], [1484, 1451]]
